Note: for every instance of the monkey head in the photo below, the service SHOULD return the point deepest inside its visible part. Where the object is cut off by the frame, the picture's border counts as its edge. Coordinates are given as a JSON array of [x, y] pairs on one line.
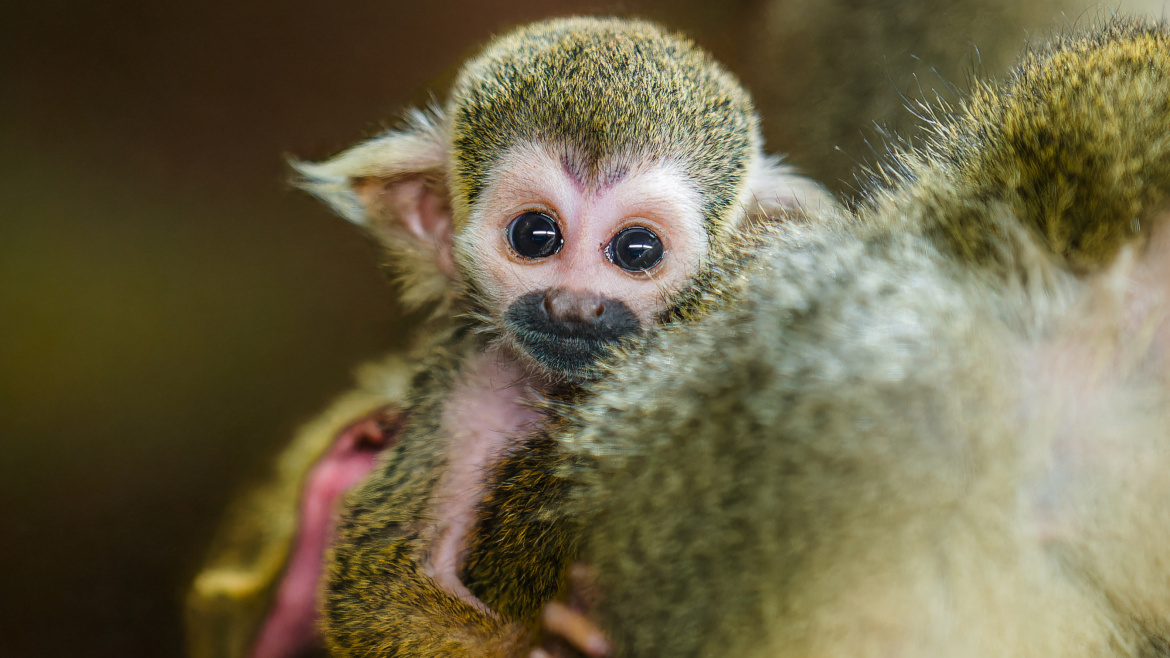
[[581, 173]]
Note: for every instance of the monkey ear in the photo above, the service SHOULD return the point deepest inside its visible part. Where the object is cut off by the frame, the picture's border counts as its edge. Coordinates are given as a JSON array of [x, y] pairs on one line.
[[395, 186], [776, 189]]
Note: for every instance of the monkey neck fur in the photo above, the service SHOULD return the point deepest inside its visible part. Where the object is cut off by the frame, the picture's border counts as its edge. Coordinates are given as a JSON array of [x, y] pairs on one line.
[[488, 408]]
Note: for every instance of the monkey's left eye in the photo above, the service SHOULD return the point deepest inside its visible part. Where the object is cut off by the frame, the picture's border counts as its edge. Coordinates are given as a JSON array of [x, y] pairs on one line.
[[535, 235], [635, 249]]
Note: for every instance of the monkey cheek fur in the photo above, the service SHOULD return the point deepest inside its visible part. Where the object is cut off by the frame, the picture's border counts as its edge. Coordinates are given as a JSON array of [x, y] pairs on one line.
[[567, 348]]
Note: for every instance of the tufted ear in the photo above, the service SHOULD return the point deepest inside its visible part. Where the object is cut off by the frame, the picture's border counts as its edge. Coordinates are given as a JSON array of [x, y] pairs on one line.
[[776, 189], [395, 186]]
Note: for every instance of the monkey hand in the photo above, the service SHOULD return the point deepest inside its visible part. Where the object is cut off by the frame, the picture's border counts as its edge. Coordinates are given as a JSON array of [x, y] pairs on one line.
[[568, 627]]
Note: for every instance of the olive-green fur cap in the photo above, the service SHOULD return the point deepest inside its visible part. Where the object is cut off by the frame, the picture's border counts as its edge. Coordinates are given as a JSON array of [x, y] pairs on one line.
[[614, 89]]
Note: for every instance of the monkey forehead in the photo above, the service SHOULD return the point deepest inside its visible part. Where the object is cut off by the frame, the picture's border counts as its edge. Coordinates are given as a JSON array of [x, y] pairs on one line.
[[555, 174], [607, 87]]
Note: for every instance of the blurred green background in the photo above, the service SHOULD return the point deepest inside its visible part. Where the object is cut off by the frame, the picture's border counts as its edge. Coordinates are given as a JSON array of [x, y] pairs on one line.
[[170, 309]]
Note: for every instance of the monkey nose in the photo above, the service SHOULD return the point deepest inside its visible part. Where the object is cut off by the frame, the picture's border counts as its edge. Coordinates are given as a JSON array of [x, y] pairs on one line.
[[567, 306]]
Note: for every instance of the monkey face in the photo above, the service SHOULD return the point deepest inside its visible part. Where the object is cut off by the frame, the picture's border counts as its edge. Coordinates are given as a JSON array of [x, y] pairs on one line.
[[572, 258]]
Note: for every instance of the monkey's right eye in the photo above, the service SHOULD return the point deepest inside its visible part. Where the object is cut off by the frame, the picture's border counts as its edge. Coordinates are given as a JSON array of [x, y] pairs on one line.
[[535, 235]]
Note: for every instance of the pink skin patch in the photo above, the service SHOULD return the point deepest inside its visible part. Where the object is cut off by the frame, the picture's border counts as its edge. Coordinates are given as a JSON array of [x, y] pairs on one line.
[[486, 410], [291, 626]]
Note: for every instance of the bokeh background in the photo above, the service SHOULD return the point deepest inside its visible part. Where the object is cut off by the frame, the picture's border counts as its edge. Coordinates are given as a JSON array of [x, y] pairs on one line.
[[170, 309]]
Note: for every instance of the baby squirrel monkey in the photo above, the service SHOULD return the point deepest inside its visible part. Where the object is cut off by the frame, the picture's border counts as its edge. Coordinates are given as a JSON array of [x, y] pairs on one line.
[[942, 429], [584, 173]]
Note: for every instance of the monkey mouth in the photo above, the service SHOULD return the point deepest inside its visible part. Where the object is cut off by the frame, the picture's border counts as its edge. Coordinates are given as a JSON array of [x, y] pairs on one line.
[[568, 347], [572, 357]]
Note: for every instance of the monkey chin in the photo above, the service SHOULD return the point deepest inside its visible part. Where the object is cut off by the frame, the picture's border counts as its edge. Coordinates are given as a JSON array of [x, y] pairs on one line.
[[559, 358], [574, 360]]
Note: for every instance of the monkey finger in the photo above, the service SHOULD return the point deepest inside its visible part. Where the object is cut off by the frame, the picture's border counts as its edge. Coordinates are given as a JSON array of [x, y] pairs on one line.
[[577, 629]]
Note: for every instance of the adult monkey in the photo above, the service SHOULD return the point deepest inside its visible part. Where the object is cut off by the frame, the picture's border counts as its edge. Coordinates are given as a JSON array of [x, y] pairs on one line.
[[941, 430]]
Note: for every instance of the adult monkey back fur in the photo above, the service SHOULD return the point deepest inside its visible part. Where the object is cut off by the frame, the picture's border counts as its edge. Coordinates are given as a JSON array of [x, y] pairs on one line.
[[577, 189], [942, 430]]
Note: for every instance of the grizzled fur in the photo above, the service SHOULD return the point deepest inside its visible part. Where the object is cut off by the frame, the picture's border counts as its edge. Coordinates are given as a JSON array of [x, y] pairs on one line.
[[375, 570]]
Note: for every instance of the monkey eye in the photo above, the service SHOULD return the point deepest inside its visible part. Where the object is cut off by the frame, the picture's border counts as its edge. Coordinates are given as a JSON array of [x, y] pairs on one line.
[[535, 235], [635, 249]]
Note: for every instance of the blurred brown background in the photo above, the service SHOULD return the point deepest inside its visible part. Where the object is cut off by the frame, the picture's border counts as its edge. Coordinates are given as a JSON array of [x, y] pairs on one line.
[[170, 310]]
